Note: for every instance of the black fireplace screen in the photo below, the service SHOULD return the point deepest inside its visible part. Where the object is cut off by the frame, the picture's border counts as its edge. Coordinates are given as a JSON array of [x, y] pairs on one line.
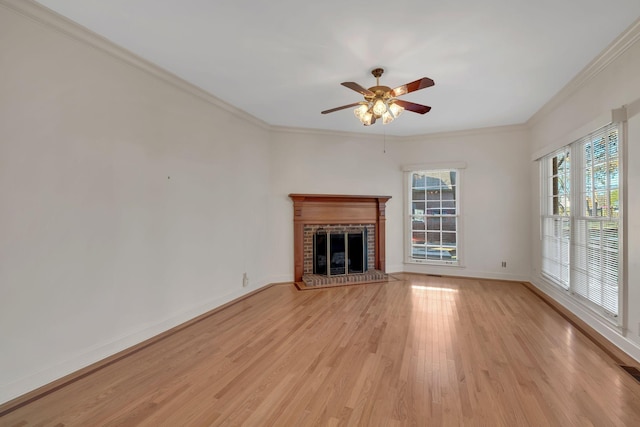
[[339, 253]]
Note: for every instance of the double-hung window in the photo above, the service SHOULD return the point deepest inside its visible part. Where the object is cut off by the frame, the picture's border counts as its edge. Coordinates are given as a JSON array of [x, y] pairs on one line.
[[581, 220], [556, 221], [433, 220]]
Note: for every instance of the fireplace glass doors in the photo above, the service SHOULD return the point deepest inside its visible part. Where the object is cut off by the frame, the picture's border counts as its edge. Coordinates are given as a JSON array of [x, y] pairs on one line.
[[341, 253]]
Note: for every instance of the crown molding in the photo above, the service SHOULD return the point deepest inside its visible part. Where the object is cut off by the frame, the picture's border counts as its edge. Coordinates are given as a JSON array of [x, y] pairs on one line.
[[467, 132], [409, 138], [335, 133], [620, 45], [58, 23]]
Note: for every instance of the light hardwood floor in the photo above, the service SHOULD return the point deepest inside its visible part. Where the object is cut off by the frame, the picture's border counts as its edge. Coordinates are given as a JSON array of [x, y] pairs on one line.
[[424, 351]]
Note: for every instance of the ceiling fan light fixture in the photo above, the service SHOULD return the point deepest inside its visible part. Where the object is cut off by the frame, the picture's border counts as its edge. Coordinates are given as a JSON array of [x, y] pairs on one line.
[[395, 109], [392, 112], [367, 119], [379, 107], [361, 111]]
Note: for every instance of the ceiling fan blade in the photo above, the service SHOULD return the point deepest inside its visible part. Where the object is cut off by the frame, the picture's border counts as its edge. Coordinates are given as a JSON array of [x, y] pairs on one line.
[[340, 108], [416, 108], [355, 86], [412, 87]]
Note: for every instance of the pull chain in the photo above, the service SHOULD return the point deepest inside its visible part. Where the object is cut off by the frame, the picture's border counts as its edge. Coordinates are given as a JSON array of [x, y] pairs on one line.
[[384, 144]]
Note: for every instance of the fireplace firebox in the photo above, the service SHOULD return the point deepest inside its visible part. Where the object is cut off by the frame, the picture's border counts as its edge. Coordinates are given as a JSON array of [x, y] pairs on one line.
[[336, 254]]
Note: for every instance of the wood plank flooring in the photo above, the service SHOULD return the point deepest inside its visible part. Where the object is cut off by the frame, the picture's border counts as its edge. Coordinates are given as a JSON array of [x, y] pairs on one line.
[[415, 352]]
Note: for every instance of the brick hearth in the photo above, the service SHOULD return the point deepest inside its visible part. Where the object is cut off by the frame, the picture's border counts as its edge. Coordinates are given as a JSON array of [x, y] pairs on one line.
[[369, 276]]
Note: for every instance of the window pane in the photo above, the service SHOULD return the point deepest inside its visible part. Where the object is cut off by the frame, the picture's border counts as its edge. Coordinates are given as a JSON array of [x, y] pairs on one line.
[[588, 180], [613, 174], [438, 253], [434, 223], [590, 206], [433, 194], [438, 199], [434, 180], [599, 177], [418, 180], [433, 208], [418, 223], [559, 184], [418, 238], [600, 205], [449, 239], [449, 224], [419, 252], [559, 205], [418, 208], [449, 207], [615, 203], [433, 239], [613, 144], [599, 151]]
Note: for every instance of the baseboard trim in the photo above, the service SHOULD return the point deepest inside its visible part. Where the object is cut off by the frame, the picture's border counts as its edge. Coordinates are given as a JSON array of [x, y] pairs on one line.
[[451, 276], [461, 271], [612, 350], [55, 385]]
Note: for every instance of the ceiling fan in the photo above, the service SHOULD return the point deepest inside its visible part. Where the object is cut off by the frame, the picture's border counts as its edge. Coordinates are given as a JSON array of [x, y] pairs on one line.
[[380, 101]]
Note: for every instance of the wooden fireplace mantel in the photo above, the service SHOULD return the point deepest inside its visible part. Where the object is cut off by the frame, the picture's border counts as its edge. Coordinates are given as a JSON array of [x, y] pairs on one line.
[[337, 209]]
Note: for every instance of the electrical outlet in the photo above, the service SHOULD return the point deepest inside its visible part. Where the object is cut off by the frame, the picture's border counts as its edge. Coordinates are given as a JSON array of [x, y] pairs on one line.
[[504, 264], [245, 280]]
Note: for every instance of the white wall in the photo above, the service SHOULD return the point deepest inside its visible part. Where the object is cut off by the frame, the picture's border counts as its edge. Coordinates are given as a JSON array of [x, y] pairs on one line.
[[495, 209], [615, 85], [327, 163], [126, 203]]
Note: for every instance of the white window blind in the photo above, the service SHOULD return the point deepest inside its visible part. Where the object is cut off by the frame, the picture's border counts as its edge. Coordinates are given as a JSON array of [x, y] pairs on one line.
[[595, 263], [580, 220], [555, 255], [556, 222]]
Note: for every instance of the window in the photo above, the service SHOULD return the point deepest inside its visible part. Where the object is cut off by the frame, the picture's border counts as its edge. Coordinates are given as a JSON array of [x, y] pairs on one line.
[[556, 225], [581, 223], [433, 206]]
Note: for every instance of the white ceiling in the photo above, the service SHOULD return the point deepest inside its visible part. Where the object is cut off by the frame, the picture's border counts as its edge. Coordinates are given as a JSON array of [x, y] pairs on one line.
[[495, 62]]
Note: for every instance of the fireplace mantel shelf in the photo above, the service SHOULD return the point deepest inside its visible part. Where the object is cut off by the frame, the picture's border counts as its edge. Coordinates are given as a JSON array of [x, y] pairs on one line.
[[338, 209], [334, 196]]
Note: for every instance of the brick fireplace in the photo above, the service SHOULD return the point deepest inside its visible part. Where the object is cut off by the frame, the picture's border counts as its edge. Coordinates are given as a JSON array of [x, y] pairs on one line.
[[337, 213]]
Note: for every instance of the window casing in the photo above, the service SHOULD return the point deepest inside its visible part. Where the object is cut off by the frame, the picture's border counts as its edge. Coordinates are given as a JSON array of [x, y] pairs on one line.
[[581, 221], [433, 216]]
